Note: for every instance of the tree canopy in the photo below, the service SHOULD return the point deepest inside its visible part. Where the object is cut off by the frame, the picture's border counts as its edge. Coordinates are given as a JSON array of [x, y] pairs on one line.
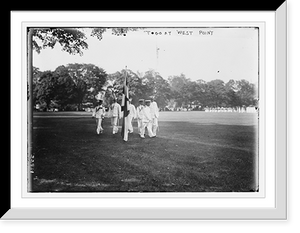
[[72, 40], [77, 85], [73, 84]]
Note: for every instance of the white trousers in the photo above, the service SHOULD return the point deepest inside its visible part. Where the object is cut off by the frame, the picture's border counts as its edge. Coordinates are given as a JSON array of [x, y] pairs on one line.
[[99, 128], [147, 125], [140, 124], [154, 126], [126, 129], [114, 123], [130, 127]]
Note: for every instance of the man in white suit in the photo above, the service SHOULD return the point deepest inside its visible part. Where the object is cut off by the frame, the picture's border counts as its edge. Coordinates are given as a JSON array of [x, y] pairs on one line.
[[116, 115], [154, 115], [147, 121], [98, 113], [131, 116], [140, 116]]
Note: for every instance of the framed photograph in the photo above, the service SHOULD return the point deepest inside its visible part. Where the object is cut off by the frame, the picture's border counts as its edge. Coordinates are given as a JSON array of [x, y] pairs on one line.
[[148, 115]]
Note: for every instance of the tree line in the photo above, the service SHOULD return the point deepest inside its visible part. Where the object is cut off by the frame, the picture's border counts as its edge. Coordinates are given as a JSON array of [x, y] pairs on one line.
[[76, 86]]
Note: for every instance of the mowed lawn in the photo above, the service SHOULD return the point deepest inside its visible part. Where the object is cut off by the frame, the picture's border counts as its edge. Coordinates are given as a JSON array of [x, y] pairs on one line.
[[194, 152]]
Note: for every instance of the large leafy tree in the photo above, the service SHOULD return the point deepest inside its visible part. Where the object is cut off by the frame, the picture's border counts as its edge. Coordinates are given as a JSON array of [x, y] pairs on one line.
[[201, 93], [65, 92], [179, 86], [231, 97], [45, 88], [189, 93], [72, 40], [36, 74], [87, 81], [118, 31], [71, 84], [156, 86], [216, 93], [246, 92]]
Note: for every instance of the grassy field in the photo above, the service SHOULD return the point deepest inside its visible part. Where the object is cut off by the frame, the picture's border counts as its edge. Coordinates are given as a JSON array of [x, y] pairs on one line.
[[194, 152]]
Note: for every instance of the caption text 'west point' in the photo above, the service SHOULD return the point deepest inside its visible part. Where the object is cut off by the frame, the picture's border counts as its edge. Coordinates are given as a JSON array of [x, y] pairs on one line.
[[181, 32]]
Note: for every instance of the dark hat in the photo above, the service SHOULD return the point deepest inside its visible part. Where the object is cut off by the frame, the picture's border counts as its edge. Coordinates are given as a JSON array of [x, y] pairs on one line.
[[147, 101], [141, 100]]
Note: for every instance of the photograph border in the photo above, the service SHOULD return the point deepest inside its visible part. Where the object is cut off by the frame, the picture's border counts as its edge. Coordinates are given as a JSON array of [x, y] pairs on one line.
[[260, 193], [279, 212]]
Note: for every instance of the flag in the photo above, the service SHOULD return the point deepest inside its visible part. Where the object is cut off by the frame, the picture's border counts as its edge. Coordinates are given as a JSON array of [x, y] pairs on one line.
[[125, 109]]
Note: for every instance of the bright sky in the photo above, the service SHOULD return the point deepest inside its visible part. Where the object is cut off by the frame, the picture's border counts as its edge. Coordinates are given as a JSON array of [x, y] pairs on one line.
[[199, 53]]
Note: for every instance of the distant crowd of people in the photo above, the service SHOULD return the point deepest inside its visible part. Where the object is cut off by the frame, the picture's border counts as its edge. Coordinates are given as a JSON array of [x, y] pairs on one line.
[[146, 114]]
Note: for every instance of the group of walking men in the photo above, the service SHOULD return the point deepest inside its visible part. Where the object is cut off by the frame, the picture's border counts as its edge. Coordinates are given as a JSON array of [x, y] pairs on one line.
[[146, 113], [147, 117]]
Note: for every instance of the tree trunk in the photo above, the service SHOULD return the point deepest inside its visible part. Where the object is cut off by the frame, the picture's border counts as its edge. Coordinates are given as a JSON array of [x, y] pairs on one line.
[[79, 107]]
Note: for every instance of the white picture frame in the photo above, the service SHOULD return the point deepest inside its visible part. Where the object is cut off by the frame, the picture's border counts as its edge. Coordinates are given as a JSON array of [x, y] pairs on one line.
[[271, 205]]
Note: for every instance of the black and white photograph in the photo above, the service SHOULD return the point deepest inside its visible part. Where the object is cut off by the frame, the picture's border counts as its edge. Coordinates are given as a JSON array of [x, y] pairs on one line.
[[143, 109], [163, 117]]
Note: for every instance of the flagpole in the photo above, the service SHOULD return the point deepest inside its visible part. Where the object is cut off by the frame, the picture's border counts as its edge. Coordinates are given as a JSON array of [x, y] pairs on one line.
[[124, 131], [125, 74]]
